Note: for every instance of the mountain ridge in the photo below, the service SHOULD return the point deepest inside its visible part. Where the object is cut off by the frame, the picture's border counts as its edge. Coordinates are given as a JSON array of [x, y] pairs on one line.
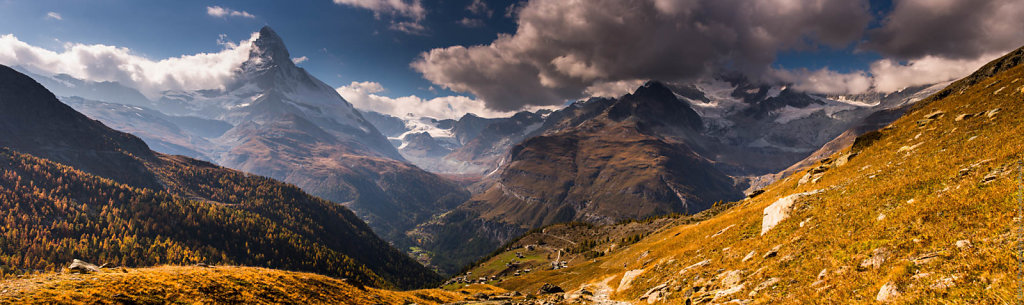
[[193, 210]]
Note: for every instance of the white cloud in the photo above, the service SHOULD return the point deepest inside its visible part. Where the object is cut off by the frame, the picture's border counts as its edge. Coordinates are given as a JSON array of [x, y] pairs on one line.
[[98, 62], [54, 16], [892, 76], [367, 96], [221, 12], [613, 89], [300, 59], [479, 7], [826, 81], [885, 75], [412, 10], [471, 22], [409, 27]]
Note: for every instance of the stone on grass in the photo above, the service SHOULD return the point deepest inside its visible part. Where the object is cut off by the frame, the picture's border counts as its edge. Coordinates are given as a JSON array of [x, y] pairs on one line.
[[549, 288], [887, 293], [83, 267]]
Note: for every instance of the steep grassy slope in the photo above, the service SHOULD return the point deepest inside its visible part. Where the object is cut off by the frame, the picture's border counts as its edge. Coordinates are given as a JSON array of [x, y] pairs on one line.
[[923, 212], [216, 285]]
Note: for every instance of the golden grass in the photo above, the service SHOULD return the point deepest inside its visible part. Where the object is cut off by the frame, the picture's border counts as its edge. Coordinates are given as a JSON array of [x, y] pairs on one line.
[[216, 285], [928, 199]]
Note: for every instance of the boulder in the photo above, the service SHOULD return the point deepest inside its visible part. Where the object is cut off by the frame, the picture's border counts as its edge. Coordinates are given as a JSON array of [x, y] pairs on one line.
[[845, 158], [731, 278], [876, 260], [773, 252], [887, 293], [779, 211], [80, 266], [728, 291], [934, 115], [769, 283], [963, 244], [749, 256], [696, 265], [655, 294], [627, 279], [550, 288]]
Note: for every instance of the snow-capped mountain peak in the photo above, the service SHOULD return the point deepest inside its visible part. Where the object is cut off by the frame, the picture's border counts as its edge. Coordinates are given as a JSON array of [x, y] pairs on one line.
[[267, 51]]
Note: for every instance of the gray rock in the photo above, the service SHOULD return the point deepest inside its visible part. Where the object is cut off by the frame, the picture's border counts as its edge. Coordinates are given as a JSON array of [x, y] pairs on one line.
[[773, 252], [80, 266], [731, 278], [887, 293], [875, 261], [934, 115], [550, 288], [769, 283]]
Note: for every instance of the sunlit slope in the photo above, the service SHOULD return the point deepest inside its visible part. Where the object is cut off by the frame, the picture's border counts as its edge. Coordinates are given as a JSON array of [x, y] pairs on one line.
[[216, 285], [925, 210]]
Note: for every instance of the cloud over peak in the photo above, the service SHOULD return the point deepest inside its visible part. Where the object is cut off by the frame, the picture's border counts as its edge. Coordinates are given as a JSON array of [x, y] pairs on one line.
[[368, 96], [561, 48], [98, 62]]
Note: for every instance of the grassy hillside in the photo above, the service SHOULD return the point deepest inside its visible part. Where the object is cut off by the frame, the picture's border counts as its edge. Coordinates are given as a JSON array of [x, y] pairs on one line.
[[54, 213], [924, 211], [74, 188], [215, 285]]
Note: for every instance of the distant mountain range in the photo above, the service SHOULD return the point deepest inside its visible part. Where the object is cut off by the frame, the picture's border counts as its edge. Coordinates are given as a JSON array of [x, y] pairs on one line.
[[666, 148]]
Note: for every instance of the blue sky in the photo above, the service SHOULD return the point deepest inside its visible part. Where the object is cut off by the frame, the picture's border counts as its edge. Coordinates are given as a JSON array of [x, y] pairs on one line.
[[343, 43], [835, 46]]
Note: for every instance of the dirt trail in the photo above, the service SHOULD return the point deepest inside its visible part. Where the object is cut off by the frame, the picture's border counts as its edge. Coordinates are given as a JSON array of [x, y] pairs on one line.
[[602, 293]]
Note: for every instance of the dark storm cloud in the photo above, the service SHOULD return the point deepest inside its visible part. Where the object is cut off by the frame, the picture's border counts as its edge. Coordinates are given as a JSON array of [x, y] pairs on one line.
[[956, 29], [563, 47]]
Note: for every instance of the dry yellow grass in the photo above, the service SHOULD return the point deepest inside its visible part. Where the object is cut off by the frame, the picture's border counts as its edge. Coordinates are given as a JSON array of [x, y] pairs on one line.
[[216, 285], [934, 198]]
